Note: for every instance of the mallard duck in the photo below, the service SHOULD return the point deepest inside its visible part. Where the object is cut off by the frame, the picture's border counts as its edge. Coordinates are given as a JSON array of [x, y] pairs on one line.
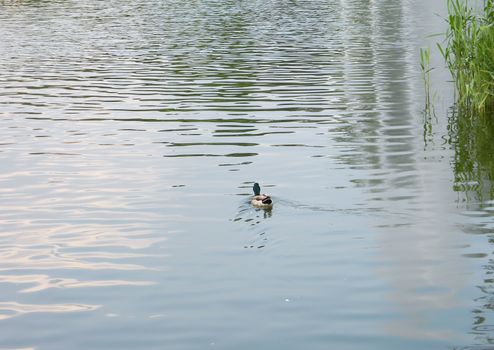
[[260, 200]]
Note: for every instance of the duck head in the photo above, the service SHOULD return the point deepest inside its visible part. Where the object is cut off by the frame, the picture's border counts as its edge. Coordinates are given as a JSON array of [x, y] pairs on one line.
[[257, 189]]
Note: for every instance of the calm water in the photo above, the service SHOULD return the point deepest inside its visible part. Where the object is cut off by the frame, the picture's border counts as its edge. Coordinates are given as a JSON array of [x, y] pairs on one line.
[[132, 133]]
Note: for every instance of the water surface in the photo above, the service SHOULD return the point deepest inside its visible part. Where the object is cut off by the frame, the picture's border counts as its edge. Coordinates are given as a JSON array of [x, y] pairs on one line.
[[132, 134]]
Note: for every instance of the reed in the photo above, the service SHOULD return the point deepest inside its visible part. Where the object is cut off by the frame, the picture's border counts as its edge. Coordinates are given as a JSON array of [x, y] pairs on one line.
[[469, 55], [425, 59]]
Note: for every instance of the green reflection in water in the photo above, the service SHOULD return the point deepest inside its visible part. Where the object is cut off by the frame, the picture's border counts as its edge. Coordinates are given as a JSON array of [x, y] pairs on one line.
[[473, 163]]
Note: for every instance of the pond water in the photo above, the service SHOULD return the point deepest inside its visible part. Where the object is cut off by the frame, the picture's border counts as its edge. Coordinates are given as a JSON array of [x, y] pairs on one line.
[[132, 133]]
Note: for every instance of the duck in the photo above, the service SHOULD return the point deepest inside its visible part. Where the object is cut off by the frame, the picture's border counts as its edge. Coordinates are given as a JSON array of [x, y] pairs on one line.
[[260, 200]]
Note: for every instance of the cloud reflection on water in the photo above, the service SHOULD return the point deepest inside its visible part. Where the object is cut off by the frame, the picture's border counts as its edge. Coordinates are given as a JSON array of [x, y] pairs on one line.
[[14, 309]]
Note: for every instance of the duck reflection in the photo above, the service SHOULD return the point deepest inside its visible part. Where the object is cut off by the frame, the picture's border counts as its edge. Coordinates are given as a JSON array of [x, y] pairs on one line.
[[252, 218]]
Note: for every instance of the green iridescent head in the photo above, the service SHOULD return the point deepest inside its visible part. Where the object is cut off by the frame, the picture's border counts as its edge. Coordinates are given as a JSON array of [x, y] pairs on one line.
[[257, 189]]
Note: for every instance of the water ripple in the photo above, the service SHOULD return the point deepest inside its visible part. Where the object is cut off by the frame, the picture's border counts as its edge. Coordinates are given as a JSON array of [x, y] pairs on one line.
[[13, 309]]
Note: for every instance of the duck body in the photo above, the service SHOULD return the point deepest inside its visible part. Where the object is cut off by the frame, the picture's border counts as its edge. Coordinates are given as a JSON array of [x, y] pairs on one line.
[[260, 200]]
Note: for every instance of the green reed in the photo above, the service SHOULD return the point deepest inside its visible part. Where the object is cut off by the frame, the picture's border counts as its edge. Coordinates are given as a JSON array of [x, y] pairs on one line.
[[469, 54], [425, 66], [425, 59]]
